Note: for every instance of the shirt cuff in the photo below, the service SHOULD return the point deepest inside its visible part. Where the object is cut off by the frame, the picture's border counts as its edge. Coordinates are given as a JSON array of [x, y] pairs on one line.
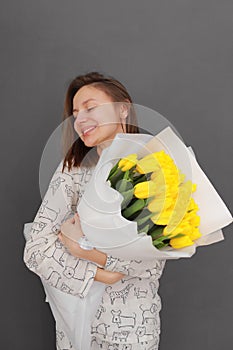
[[116, 265]]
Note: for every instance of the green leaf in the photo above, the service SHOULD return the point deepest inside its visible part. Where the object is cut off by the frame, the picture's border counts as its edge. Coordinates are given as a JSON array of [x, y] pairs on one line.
[[149, 199], [158, 231], [135, 207], [128, 196], [116, 177], [124, 184], [160, 245], [160, 239], [141, 220], [113, 171], [144, 229], [139, 179]]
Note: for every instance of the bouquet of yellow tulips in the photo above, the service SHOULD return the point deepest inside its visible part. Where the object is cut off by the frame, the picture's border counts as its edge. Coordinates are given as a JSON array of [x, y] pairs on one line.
[[156, 196], [143, 197]]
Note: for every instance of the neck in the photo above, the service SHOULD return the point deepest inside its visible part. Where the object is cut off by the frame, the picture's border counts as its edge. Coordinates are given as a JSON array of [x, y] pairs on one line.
[[102, 146], [107, 143]]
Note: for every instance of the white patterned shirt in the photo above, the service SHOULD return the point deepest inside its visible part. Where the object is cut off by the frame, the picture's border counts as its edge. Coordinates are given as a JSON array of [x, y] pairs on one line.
[[129, 310]]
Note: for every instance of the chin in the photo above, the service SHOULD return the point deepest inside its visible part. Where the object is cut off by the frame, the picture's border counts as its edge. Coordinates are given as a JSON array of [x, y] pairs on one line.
[[89, 143]]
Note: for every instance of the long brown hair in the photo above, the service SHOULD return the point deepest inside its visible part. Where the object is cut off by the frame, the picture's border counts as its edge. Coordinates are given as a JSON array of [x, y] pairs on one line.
[[74, 154]]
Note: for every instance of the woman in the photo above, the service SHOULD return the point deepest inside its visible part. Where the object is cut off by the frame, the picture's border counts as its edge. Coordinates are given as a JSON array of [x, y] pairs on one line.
[[128, 316]]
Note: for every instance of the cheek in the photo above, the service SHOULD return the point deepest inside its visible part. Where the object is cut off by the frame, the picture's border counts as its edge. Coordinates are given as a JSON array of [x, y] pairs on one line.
[[110, 121], [77, 129], [107, 115]]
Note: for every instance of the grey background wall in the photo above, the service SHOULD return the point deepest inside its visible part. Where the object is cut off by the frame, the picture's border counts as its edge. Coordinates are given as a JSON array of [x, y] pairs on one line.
[[174, 57]]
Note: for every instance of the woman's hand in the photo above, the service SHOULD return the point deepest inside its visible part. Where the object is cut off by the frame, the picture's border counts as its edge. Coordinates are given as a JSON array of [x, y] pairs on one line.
[[72, 228], [72, 246], [71, 231]]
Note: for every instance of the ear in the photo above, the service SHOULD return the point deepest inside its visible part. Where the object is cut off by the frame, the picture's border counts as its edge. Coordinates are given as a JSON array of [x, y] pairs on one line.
[[124, 111]]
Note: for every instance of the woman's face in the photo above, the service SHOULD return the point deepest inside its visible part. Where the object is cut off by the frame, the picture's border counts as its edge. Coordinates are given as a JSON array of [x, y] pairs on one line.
[[97, 118]]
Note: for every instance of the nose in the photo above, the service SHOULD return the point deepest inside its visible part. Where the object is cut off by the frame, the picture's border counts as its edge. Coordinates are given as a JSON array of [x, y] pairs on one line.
[[80, 117]]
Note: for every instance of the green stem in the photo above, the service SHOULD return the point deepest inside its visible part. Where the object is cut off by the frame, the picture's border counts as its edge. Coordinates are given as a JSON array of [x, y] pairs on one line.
[[138, 179], [124, 182], [128, 195], [157, 232], [117, 176], [142, 220], [144, 229], [113, 171], [135, 207]]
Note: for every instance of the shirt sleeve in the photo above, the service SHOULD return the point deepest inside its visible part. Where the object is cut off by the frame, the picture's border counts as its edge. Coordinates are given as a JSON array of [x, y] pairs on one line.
[[136, 268], [44, 254]]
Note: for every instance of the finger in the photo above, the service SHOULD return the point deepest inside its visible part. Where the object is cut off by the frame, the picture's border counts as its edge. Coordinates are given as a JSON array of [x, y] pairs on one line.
[[70, 219], [76, 218]]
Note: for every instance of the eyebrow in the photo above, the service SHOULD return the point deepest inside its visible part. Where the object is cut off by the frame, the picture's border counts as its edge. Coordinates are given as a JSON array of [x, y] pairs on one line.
[[84, 103]]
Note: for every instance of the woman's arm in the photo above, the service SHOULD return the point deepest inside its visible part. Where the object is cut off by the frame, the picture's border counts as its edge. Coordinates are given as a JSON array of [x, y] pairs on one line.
[[107, 277], [44, 254], [69, 234], [74, 248], [134, 268], [73, 228], [94, 255]]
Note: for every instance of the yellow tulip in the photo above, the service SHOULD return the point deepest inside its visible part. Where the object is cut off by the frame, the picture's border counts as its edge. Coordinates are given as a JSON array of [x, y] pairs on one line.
[[128, 162], [159, 179], [188, 226], [147, 164], [181, 177], [162, 156], [194, 187], [193, 205], [174, 229], [195, 234], [160, 203], [181, 242], [145, 189], [194, 219], [162, 218]]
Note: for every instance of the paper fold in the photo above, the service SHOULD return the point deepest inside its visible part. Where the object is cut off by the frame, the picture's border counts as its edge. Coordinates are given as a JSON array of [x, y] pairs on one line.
[[100, 207]]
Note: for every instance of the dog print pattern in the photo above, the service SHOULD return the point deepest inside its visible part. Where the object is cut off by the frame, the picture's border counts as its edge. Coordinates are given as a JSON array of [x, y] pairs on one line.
[[63, 343], [44, 254], [128, 315]]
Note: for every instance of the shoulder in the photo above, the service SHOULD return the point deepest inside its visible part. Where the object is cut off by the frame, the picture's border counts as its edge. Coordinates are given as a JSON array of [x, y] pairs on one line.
[[76, 173]]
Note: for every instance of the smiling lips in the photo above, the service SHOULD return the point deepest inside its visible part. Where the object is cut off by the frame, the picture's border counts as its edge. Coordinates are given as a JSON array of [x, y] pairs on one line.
[[88, 129]]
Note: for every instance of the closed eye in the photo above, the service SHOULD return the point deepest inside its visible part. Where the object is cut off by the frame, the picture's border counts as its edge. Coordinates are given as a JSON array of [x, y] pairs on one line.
[[87, 110], [90, 108]]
